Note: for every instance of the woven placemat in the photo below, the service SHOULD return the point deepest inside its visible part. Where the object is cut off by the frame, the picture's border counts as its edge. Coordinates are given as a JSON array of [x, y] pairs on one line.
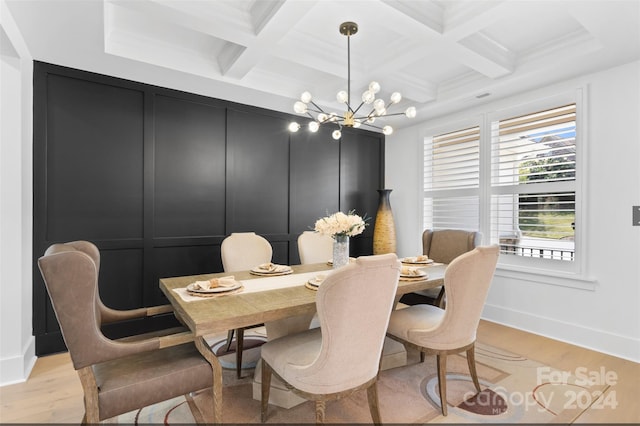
[[271, 274]]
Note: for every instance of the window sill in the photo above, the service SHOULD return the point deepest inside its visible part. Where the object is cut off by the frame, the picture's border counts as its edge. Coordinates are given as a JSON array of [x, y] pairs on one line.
[[546, 276]]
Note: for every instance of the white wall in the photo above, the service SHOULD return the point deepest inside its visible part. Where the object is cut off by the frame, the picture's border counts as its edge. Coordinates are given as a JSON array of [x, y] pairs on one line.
[[17, 350], [605, 317]]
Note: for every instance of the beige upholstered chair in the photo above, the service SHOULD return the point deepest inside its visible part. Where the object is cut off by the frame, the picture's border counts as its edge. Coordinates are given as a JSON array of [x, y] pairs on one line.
[[117, 376], [343, 355], [443, 246], [433, 330], [314, 247], [241, 251]]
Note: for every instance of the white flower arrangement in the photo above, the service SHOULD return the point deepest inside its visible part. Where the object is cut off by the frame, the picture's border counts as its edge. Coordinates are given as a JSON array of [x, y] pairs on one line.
[[340, 224]]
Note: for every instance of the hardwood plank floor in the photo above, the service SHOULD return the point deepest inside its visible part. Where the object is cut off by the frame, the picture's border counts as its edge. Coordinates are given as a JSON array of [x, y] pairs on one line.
[[53, 393]]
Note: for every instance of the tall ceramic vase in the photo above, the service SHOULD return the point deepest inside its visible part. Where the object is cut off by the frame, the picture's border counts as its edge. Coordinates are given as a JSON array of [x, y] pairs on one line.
[[384, 231], [340, 251]]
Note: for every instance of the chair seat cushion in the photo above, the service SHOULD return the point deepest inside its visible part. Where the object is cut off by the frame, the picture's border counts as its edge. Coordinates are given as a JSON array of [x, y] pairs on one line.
[[288, 353], [416, 317], [150, 377]]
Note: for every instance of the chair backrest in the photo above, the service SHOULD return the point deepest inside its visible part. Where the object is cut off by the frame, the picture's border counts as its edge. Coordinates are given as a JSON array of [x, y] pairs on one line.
[[71, 277], [444, 245], [244, 250], [354, 304], [466, 281], [314, 247]]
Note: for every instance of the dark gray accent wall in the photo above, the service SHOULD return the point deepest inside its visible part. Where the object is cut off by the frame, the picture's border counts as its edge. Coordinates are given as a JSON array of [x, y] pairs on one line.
[[157, 178]]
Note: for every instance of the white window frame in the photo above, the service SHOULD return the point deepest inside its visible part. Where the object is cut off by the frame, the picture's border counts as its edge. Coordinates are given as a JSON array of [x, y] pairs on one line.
[[564, 273]]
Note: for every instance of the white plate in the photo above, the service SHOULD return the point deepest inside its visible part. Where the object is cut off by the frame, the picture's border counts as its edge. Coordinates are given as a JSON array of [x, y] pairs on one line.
[[221, 289], [315, 281]]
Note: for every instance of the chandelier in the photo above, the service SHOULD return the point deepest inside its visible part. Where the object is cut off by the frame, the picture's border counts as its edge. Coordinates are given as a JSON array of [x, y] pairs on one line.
[[373, 107]]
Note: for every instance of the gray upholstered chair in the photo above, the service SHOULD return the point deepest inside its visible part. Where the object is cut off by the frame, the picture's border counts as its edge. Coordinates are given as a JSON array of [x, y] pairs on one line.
[[117, 376], [343, 355], [242, 251], [314, 247], [109, 315], [433, 330], [443, 246]]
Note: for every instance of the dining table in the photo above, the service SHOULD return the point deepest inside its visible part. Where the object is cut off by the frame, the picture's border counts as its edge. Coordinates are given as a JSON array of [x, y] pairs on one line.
[[260, 300]]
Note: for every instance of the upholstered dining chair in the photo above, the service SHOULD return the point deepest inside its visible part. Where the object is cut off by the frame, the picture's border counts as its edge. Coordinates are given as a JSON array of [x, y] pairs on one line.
[[443, 245], [314, 247], [343, 355], [452, 330], [109, 315], [117, 376], [241, 251]]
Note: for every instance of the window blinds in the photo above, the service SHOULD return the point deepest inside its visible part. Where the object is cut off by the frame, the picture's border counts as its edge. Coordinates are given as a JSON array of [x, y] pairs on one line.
[[452, 180], [533, 171]]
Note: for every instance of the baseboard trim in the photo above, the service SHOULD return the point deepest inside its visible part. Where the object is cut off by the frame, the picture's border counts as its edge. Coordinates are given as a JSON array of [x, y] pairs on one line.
[[17, 369], [575, 334]]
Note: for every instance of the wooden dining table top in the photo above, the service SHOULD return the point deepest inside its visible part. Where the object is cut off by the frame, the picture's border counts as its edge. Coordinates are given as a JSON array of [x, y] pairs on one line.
[[210, 315]]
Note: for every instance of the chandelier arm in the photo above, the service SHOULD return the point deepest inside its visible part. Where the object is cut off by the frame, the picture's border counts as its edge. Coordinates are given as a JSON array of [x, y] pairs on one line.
[[316, 105], [371, 125], [357, 109], [395, 113]]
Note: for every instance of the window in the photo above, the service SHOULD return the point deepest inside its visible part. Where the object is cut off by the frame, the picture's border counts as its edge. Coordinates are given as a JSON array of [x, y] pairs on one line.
[[513, 176], [452, 180], [533, 174]]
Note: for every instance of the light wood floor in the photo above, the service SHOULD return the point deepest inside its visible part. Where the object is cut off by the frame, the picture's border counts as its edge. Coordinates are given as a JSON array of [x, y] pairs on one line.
[[53, 394]]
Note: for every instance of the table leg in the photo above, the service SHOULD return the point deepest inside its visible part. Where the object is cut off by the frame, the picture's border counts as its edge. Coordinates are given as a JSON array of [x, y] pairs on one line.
[[206, 352]]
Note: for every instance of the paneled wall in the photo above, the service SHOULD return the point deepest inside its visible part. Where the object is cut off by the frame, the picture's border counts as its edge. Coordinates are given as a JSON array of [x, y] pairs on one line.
[[157, 178]]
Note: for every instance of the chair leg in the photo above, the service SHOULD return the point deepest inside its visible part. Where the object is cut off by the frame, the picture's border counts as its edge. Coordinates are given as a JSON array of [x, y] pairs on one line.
[[239, 349], [471, 360], [266, 387], [320, 406], [439, 302], [421, 356], [372, 396], [229, 339], [442, 381]]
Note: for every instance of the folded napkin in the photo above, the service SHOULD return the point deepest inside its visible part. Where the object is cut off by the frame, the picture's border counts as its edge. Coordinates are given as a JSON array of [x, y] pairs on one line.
[[215, 282], [272, 267], [406, 270], [422, 258]]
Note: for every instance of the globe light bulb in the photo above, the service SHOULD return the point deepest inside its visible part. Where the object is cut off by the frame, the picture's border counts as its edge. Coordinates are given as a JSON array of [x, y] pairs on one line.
[[294, 127], [300, 107], [371, 119], [314, 126], [357, 123], [410, 112], [387, 130], [378, 104], [336, 134], [333, 117], [305, 97], [368, 97], [374, 86], [342, 97], [322, 117], [396, 97]]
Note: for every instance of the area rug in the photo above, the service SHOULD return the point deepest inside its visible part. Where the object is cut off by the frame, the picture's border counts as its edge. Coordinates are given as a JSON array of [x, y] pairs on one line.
[[514, 390]]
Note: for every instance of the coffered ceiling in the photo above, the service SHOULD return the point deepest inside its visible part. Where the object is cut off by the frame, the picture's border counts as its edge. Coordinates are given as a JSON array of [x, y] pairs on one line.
[[441, 55]]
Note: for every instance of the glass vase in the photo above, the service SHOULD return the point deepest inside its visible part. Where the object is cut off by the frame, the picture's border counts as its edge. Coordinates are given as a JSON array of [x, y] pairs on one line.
[[340, 251]]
